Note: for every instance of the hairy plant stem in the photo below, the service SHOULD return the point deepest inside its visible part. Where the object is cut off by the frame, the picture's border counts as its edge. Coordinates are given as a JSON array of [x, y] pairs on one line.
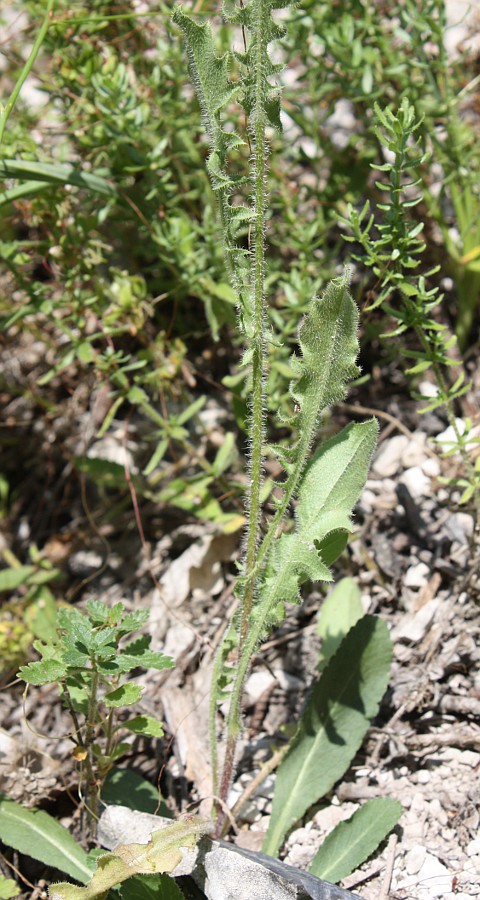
[[92, 786], [258, 127]]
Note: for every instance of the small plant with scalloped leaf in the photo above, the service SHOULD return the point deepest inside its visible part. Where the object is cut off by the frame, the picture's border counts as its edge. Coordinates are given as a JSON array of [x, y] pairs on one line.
[[89, 660]]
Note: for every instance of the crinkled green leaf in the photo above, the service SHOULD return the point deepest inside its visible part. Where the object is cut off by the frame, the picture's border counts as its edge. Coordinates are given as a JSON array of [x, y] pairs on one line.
[[132, 621], [125, 695], [329, 347], [144, 725], [44, 671]]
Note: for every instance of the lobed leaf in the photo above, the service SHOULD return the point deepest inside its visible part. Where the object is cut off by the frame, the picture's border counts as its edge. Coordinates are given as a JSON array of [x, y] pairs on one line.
[[45, 671], [146, 725], [125, 695]]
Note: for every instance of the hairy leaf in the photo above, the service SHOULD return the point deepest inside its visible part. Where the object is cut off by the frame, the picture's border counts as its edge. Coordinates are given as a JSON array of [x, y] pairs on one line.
[[352, 842], [45, 671], [329, 348], [333, 726], [144, 725], [330, 488], [161, 854], [125, 695], [210, 75]]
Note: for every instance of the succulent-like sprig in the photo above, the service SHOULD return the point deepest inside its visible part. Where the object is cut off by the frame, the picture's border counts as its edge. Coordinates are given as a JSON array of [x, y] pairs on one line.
[[394, 255]]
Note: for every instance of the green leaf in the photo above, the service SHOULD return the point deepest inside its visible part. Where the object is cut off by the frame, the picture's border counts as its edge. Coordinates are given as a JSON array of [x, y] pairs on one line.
[[8, 888], [162, 854], [329, 346], [44, 671], [352, 842], [35, 833], [126, 787], [144, 725], [329, 489], [137, 654], [85, 353], [340, 612], [13, 577], [334, 724], [97, 611], [226, 454], [132, 621], [21, 190], [56, 173], [104, 471], [125, 695], [150, 887]]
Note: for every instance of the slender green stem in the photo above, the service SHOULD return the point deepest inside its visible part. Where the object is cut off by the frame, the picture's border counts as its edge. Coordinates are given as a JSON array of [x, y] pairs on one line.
[[7, 109]]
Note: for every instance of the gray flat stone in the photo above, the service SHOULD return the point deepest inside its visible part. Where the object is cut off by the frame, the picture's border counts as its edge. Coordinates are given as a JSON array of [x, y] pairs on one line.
[[223, 871]]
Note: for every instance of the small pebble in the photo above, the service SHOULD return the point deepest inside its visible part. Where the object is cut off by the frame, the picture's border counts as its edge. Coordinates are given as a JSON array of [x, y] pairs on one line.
[[417, 576], [416, 481], [473, 848], [414, 859]]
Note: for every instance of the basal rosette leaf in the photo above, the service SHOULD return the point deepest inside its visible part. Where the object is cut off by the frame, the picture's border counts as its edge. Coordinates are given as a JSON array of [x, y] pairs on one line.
[[337, 716]]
